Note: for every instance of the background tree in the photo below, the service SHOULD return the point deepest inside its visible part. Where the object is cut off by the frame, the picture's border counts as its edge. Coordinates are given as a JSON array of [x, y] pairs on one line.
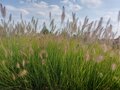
[[44, 29]]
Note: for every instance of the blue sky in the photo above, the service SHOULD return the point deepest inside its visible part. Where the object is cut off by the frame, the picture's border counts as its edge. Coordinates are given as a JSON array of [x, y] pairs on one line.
[[94, 9]]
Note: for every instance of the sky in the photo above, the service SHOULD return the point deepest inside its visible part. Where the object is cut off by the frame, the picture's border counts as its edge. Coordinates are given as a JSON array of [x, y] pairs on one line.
[[94, 9]]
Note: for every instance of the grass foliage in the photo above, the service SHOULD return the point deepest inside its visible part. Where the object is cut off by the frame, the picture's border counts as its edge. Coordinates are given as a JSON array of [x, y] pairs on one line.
[[82, 56], [51, 62]]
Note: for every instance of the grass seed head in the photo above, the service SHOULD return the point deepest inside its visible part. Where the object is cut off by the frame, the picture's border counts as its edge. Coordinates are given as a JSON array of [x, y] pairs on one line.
[[22, 73], [113, 67], [104, 47], [13, 77], [3, 62], [10, 17], [43, 62], [100, 74], [3, 11], [31, 51], [18, 65], [119, 17], [100, 58], [43, 54], [63, 15], [87, 56], [50, 15], [23, 63]]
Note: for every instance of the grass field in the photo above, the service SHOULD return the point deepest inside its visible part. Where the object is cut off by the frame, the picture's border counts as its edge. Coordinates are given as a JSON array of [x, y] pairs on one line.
[[75, 57], [57, 63]]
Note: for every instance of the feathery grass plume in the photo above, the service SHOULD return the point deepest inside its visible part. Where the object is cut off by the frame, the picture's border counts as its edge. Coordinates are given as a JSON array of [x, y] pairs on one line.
[[10, 17], [3, 11], [118, 20], [13, 77], [118, 17], [95, 24], [108, 22], [87, 56], [110, 30], [108, 34], [90, 26], [52, 26], [1, 6], [79, 28], [100, 74], [43, 54], [21, 17], [100, 22], [73, 17], [116, 43], [73, 25], [18, 65], [65, 50], [63, 15], [88, 32], [43, 62], [31, 51], [22, 73], [98, 30], [104, 47], [3, 62], [99, 25], [113, 67], [68, 21], [100, 58], [23, 54], [84, 25], [50, 16], [23, 63], [34, 25]]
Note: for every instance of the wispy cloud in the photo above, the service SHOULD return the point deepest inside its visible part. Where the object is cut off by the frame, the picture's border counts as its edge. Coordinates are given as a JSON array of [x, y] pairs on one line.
[[41, 13], [72, 5], [64, 1], [43, 9], [91, 3], [23, 11], [16, 10]]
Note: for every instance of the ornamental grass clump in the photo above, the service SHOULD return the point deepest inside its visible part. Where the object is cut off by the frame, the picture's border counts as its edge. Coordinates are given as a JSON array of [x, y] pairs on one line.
[[77, 56]]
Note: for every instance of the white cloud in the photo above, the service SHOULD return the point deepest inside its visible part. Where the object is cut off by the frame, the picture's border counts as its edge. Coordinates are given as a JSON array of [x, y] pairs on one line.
[[23, 11], [11, 8], [91, 3], [43, 9], [16, 10], [64, 1], [40, 5], [111, 14], [43, 3], [71, 5], [76, 7], [67, 1], [21, 2], [41, 13], [55, 9]]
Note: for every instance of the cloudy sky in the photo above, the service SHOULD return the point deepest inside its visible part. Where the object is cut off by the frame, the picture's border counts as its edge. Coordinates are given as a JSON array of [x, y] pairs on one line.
[[94, 9]]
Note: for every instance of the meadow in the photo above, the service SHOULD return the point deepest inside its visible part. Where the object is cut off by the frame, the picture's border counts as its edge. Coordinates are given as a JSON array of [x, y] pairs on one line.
[[75, 57]]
